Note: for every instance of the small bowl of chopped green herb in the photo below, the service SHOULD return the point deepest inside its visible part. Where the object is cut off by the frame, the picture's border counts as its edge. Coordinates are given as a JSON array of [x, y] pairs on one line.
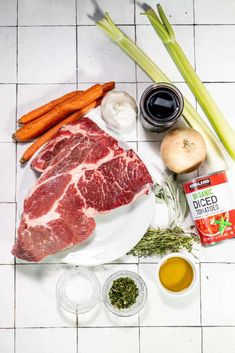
[[124, 293]]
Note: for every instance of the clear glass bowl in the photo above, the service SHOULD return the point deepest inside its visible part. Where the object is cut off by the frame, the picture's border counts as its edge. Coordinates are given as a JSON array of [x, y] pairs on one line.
[[78, 290], [140, 301]]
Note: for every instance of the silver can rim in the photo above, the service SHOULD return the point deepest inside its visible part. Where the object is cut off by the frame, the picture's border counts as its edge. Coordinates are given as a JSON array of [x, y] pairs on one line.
[[204, 176]]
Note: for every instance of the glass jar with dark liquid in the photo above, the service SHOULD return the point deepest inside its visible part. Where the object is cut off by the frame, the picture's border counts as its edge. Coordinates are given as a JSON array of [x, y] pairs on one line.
[[161, 105]]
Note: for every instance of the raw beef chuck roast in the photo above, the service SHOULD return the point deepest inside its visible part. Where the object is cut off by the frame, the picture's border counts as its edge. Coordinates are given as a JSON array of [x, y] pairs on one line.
[[85, 172]]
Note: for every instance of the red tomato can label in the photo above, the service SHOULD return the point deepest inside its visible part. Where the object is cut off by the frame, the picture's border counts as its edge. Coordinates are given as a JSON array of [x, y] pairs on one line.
[[212, 205]]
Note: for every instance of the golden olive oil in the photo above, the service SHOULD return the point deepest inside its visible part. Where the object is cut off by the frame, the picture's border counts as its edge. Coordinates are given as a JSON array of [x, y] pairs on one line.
[[176, 274]]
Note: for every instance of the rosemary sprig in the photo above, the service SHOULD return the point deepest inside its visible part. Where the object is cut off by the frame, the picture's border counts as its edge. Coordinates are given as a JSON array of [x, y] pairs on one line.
[[172, 194], [158, 241]]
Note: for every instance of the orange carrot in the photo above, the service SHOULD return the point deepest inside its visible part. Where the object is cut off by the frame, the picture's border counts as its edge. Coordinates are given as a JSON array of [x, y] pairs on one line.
[[108, 86], [34, 114], [41, 118], [23, 129], [51, 133], [37, 127]]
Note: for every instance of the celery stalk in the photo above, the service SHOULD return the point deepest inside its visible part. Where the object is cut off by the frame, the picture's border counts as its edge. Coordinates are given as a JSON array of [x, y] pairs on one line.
[[216, 155], [165, 32]]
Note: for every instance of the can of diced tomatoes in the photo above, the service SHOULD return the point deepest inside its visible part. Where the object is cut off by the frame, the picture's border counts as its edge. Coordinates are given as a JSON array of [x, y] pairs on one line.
[[212, 205]]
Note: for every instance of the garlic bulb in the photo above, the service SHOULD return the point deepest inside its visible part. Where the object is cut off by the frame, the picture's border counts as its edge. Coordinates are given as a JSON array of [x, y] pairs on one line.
[[119, 110]]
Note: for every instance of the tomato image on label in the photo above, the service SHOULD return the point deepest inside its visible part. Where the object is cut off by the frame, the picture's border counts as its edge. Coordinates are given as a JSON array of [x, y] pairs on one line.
[[213, 225], [212, 207]]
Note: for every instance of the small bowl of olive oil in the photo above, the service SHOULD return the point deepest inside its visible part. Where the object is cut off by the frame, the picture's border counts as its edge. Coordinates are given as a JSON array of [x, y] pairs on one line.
[[176, 274]]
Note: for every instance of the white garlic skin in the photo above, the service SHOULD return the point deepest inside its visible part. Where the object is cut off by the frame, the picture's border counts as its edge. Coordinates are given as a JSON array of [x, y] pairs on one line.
[[119, 110]]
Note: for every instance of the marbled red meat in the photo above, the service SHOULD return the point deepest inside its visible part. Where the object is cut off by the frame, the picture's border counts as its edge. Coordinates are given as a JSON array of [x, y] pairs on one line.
[[53, 147], [89, 174], [56, 144]]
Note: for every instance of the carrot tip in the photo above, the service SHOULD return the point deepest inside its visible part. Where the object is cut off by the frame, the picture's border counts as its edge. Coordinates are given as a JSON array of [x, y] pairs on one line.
[[13, 136], [22, 160], [108, 86]]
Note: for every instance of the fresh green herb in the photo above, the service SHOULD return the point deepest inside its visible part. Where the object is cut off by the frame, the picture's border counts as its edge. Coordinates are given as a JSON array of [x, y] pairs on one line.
[[171, 193], [162, 241], [223, 224], [123, 293], [165, 32], [216, 156]]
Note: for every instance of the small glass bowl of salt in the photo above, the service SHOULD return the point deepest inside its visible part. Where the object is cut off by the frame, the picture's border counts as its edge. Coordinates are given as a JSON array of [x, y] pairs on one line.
[[78, 290]]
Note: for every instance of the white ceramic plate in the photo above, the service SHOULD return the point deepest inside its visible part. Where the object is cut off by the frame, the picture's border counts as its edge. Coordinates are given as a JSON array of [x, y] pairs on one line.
[[116, 232]]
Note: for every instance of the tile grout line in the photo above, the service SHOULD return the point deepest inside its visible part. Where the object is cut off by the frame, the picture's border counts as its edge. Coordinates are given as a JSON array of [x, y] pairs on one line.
[[7, 202], [194, 47], [10, 142], [115, 327], [136, 85], [111, 263], [76, 44], [76, 64], [16, 112], [137, 145], [200, 273], [200, 278], [137, 120], [120, 24], [136, 82], [76, 332], [89, 82]]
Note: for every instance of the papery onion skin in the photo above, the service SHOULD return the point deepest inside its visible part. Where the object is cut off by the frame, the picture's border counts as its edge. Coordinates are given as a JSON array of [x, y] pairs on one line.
[[183, 150]]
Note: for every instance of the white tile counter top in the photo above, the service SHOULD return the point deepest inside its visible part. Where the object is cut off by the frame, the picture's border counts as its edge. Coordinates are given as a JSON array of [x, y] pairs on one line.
[[51, 47]]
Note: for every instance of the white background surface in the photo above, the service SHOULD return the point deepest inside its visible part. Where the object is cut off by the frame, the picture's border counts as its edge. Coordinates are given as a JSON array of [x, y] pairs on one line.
[[54, 49]]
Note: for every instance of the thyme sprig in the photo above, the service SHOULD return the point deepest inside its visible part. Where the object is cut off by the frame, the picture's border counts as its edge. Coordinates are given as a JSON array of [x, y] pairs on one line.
[[158, 241]]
